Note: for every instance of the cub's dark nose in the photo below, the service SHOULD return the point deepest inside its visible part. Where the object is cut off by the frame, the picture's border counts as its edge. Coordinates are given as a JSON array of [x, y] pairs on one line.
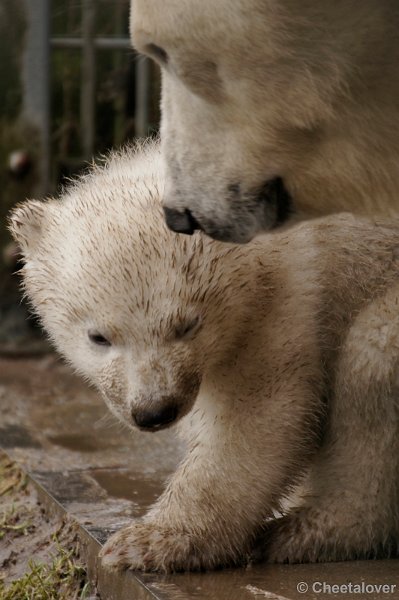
[[153, 420], [181, 222]]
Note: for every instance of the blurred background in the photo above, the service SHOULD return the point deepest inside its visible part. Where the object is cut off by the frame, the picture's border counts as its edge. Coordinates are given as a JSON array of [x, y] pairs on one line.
[[71, 88]]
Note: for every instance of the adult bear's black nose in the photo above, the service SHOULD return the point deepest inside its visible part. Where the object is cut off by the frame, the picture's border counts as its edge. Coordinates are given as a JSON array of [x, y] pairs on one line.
[[181, 222], [152, 420]]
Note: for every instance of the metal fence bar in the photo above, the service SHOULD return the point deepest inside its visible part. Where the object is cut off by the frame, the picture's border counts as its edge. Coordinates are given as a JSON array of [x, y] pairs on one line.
[[111, 43], [88, 90], [36, 74], [141, 119], [36, 79]]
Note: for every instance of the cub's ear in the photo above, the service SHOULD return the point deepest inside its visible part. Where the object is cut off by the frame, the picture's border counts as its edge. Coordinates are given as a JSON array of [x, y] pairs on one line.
[[26, 223]]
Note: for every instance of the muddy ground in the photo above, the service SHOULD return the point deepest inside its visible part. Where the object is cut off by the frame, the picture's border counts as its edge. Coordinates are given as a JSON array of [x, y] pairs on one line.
[[39, 554]]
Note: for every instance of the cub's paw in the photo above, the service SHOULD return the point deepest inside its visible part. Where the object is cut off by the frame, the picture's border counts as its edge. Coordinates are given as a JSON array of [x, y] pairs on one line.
[[150, 547]]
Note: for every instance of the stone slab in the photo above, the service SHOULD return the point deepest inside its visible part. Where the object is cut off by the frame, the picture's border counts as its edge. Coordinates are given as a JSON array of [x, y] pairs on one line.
[[99, 473]]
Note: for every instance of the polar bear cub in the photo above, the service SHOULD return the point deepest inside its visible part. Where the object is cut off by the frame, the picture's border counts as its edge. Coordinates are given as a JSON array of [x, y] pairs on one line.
[[277, 359]]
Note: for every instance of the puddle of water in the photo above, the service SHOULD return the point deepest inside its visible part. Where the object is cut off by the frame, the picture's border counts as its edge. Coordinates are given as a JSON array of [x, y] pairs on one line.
[[78, 442], [121, 484], [15, 436]]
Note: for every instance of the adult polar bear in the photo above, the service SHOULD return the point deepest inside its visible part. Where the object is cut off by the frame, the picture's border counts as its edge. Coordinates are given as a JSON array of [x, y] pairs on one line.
[[261, 97]]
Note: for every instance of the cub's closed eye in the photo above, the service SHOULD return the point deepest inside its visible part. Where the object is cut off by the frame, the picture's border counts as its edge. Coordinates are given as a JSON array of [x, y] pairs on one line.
[[157, 53], [96, 338], [188, 329]]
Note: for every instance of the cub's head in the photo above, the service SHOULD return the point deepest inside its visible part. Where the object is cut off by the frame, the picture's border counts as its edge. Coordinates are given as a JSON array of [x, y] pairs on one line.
[[139, 311]]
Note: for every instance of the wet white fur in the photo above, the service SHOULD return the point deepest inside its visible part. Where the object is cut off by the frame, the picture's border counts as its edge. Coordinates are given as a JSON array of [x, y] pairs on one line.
[[288, 384]]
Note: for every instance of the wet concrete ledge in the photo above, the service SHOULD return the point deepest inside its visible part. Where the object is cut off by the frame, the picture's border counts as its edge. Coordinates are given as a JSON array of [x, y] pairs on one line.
[[87, 467], [111, 586]]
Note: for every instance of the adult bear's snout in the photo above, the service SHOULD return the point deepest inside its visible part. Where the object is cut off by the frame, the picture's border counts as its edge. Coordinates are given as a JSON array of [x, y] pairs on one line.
[[181, 222], [274, 194]]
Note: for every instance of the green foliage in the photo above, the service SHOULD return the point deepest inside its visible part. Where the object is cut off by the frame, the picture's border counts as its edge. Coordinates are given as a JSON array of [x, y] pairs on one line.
[[11, 477], [62, 576], [62, 579]]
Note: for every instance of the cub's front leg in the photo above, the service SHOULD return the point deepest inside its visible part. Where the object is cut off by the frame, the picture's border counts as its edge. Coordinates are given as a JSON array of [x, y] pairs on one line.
[[202, 520], [232, 478]]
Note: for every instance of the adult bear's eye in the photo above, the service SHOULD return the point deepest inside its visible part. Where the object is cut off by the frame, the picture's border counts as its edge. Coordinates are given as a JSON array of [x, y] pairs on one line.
[[188, 329], [157, 53], [97, 338]]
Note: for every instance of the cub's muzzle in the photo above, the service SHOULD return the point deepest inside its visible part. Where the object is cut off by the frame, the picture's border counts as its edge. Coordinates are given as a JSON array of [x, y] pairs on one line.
[[155, 419]]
